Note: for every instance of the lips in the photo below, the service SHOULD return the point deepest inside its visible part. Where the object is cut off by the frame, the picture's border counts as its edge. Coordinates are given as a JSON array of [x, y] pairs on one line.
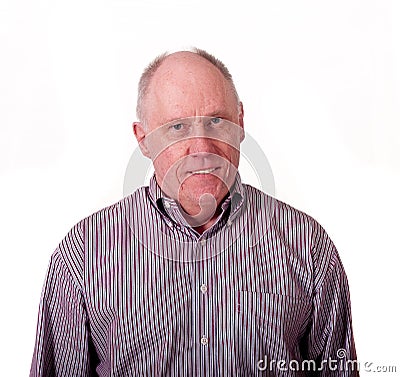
[[204, 171]]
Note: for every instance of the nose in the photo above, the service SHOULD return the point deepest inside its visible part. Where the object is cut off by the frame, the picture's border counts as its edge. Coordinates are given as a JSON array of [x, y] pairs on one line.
[[200, 142]]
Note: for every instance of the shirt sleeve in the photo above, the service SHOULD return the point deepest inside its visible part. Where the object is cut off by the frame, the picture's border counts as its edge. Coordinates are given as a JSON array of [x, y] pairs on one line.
[[62, 338], [330, 341]]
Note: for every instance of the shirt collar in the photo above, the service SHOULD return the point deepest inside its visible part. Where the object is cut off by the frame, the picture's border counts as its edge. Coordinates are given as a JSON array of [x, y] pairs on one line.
[[233, 201]]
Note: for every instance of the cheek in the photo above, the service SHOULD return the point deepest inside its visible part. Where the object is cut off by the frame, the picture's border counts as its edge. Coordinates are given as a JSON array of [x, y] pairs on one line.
[[229, 152], [166, 159]]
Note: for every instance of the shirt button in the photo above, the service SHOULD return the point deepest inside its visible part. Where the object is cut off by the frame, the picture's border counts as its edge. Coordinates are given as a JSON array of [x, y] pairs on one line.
[[229, 222], [203, 242], [204, 340], [203, 288], [167, 205]]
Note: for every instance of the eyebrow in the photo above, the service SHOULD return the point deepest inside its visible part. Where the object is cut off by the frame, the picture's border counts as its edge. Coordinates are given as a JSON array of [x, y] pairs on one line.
[[221, 113], [218, 112]]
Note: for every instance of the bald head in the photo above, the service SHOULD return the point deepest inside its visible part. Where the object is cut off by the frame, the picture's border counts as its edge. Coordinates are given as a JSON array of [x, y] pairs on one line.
[[181, 71]]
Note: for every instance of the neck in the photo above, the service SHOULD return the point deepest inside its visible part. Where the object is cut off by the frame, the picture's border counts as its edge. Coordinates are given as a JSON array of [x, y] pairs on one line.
[[203, 219], [202, 215], [202, 228]]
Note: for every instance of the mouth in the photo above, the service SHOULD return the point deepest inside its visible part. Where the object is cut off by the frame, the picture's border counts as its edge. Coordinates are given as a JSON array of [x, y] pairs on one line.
[[204, 171]]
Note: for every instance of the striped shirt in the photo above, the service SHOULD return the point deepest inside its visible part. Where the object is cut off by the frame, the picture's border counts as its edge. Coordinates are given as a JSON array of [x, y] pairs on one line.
[[133, 290]]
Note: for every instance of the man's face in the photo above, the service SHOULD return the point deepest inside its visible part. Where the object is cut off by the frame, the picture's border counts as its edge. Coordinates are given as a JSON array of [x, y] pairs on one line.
[[194, 126]]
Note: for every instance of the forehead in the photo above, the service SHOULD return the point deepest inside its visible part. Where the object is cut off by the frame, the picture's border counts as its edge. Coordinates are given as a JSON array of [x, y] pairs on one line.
[[185, 86]]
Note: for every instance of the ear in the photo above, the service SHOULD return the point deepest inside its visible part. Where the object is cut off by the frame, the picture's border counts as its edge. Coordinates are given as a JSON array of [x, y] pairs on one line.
[[241, 120], [140, 135]]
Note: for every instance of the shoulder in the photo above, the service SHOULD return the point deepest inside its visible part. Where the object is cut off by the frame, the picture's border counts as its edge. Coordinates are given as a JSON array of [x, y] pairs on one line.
[[297, 230], [116, 212], [281, 213], [102, 223]]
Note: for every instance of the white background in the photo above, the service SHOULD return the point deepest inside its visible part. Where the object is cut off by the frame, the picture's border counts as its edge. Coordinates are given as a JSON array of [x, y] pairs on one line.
[[320, 82]]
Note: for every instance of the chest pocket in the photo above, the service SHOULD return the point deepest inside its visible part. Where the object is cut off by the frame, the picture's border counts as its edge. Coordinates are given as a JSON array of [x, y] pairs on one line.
[[279, 320]]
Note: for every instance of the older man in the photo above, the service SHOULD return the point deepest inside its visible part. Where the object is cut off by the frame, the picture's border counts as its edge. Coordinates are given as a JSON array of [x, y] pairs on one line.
[[197, 274]]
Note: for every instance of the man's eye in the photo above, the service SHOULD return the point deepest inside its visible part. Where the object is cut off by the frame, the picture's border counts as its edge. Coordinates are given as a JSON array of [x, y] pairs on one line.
[[215, 120], [177, 126]]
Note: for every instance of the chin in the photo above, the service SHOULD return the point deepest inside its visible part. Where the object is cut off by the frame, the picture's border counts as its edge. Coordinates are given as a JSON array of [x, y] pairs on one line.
[[203, 183], [195, 193]]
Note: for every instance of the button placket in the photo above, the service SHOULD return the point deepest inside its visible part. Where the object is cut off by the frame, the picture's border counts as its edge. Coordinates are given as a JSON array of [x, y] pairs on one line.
[[202, 288]]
